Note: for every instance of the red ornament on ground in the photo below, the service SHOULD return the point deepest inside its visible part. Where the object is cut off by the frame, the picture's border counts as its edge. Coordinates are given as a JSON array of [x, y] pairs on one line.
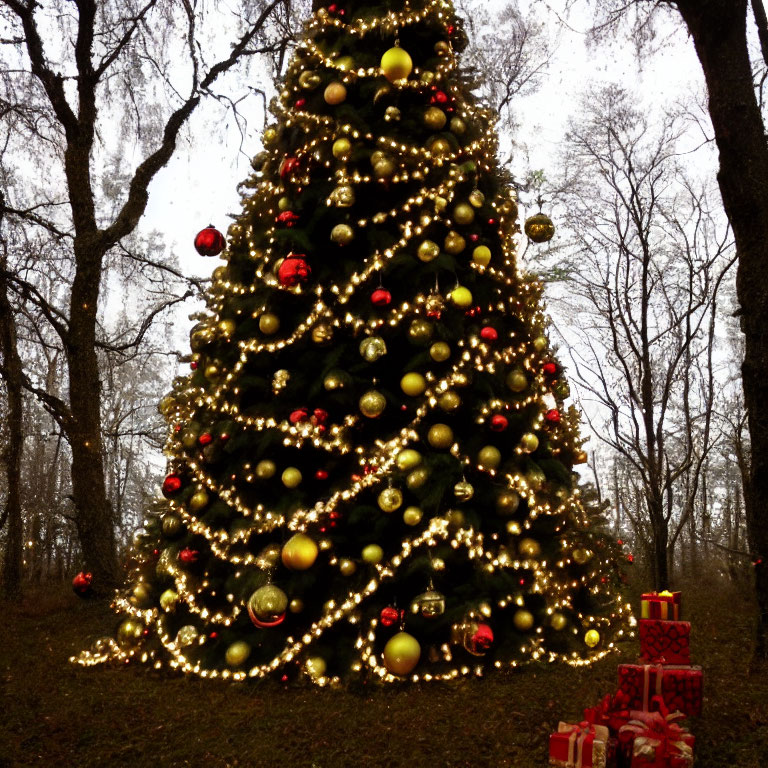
[[205, 439], [82, 584], [552, 416], [171, 485], [499, 422], [287, 218], [189, 555], [390, 616], [209, 241], [294, 271], [550, 369], [489, 333], [381, 297]]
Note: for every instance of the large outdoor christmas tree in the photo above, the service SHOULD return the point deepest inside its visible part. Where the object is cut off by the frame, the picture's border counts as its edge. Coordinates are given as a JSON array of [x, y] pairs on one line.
[[370, 463]]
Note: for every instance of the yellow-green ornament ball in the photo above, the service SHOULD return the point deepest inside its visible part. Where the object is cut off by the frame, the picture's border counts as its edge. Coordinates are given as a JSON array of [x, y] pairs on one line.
[[237, 653], [463, 214], [266, 469], [129, 632], [291, 477], [372, 404], [529, 442], [489, 457], [315, 666], [390, 499], [396, 64], [342, 234], [413, 384], [168, 599], [517, 381], [299, 552], [435, 118], [412, 515], [523, 620], [449, 401], [269, 323], [341, 148], [440, 436], [591, 637], [401, 653], [417, 478], [558, 621], [372, 553], [198, 500], [407, 459], [428, 250], [440, 351], [481, 255], [461, 297]]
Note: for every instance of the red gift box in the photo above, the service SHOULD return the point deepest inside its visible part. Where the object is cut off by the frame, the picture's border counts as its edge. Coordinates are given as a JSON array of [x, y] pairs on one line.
[[679, 686], [639, 722], [662, 745], [660, 605], [578, 746], [664, 642], [613, 711]]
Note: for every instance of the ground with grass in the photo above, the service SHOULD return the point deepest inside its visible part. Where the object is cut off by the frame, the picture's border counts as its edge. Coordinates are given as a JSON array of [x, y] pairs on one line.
[[57, 714]]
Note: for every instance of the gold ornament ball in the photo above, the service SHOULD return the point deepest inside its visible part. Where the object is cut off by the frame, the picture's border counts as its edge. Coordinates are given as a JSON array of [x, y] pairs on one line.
[[407, 459], [186, 635], [391, 113], [529, 547], [342, 234], [315, 666], [372, 553], [461, 297], [481, 255], [198, 500], [211, 371], [309, 80], [523, 620], [412, 515], [341, 148], [442, 47], [540, 343], [372, 404], [401, 653], [439, 147], [427, 77], [141, 594], [476, 198], [513, 527], [434, 118], [580, 457], [558, 621], [396, 64], [299, 552], [172, 525], [291, 477], [463, 491], [347, 567], [591, 637], [237, 653], [265, 469], [420, 331], [489, 457], [440, 436], [343, 196], [581, 555], [455, 517], [268, 602], [539, 228], [168, 599], [458, 126], [417, 477], [507, 502], [390, 499], [269, 324], [517, 381], [372, 348], [270, 135], [129, 632], [335, 93], [449, 401], [413, 384], [463, 214], [454, 243], [535, 478], [383, 168], [296, 605], [284, 203], [440, 204], [439, 351], [529, 442], [428, 250]]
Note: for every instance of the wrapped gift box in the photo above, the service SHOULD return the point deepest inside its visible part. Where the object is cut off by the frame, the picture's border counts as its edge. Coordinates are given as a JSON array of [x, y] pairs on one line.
[[662, 745], [639, 723], [660, 605], [679, 686], [664, 642], [581, 745]]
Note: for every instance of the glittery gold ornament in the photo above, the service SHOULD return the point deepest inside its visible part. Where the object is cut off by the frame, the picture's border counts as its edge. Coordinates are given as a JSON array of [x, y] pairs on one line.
[[529, 547], [427, 77], [372, 553], [315, 666], [412, 515], [342, 234], [523, 620], [266, 469], [372, 348], [463, 491], [391, 113], [440, 436], [237, 653], [372, 404], [413, 384], [454, 243], [434, 118], [558, 621], [442, 48], [581, 555], [396, 64], [540, 343], [129, 632], [507, 502], [439, 147], [539, 228], [335, 93], [341, 148], [440, 204], [322, 334], [428, 250], [440, 351], [267, 603], [309, 79], [390, 499], [299, 552], [449, 401], [168, 599], [429, 604], [517, 381], [461, 297], [458, 126], [270, 135], [198, 500], [591, 637], [269, 323], [463, 214], [407, 459], [416, 478], [291, 477], [481, 255], [489, 457], [343, 196], [280, 380], [476, 198], [186, 635], [347, 567], [383, 168], [529, 442]]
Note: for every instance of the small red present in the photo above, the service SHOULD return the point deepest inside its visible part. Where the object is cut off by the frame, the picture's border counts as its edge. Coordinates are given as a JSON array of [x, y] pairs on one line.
[[664, 642], [613, 711], [581, 745], [660, 605], [639, 722], [662, 745], [680, 686]]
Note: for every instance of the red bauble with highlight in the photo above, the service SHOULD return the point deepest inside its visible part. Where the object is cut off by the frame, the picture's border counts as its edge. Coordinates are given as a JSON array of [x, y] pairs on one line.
[[209, 241], [294, 271]]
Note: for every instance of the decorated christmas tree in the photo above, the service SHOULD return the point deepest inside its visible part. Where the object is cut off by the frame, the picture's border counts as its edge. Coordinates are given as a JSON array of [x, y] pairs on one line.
[[371, 462]]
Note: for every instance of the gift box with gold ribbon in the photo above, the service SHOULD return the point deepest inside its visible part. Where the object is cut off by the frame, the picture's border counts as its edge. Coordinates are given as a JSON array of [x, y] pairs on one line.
[[581, 745], [661, 744], [660, 605]]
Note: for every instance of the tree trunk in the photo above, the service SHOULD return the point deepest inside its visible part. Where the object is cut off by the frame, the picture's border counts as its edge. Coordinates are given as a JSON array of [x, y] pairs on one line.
[[14, 543], [718, 29]]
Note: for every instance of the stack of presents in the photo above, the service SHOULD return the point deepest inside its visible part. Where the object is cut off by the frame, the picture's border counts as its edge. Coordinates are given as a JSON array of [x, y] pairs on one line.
[[640, 725]]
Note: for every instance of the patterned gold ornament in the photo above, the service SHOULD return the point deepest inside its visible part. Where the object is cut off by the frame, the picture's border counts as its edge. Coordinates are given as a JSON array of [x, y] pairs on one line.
[[372, 348], [343, 196], [429, 604], [390, 499], [309, 79], [342, 234], [539, 228], [428, 250], [372, 404], [434, 118], [267, 603], [454, 243], [440, 436], [186, 635], [463, 214], [463, 491]]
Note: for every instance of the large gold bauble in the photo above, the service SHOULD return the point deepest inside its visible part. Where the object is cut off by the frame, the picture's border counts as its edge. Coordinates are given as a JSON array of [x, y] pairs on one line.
[[420, 330], [481, 255], [529, 547], [341, 148], [372, 348], [198, 500], [168, 599], [372, 553], [315, 666], [412, 515], [463, 491], [539, 228], [343, 196], [529, 442], [507, 502], [299, 552], [429, 604], [129, 632], [267, 603], [458, 126], [383, 168], [269, 323], [581, 555], [390, 499], [440, 351], [449, 401], [489, 457], [440, 436], [322, 334], [347, 567], [401, 653], [372, 404], [517, 381], [266, 469], [591, 637], [407, 459], [454, 243], [396, 64], [463, 214], [416, 478], [428, 250], [461, 297], [309, 79], [237, 653], [291, 477], [172, 525], [342, 234], [558, 621], [476, 198], [523, 620], [439, 146], [435, 118], [335, 93], [413, 384]]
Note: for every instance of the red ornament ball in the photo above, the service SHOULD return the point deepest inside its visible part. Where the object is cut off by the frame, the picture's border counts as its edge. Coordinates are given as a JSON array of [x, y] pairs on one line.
[[193, 365], [439, 97], [481, 640], [474, 237], [205, 439], [209, 241], [299, 415], [171, 485], [319, 416], [299, 103], [287, 218], [321, 474], [82, 584], [550, 369], [489, 333], [294, 271], [499, 422], [381, 297], [288, 165], [390, 616], [552, 416], [188, 555]]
